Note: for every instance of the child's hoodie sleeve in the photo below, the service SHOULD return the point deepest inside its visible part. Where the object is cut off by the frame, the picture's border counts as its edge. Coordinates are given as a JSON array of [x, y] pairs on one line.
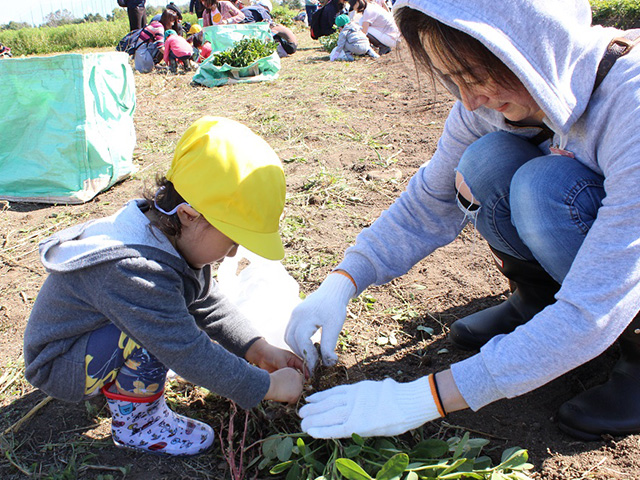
[[146, 300]]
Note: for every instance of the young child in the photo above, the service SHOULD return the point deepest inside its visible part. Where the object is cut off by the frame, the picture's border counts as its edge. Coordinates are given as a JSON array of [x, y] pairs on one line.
[[352, 41], [203, 47], [176, 48], [131, 295]]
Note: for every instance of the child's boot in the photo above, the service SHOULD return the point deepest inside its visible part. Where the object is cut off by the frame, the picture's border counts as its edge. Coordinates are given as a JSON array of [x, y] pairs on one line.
[[148, 424], [348, 57], [371, 52], [173, 65]]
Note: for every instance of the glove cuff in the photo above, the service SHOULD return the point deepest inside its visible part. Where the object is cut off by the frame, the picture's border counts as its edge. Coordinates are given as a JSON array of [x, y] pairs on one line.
[[339, 286], [419, 402]]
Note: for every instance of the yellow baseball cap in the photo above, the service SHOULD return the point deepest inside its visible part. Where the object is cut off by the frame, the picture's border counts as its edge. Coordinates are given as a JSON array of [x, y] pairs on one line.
[[195, 28], [235, 180]]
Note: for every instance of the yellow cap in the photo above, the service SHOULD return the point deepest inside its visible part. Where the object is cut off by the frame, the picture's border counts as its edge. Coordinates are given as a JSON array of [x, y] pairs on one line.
[[195, 28], [235, 179]]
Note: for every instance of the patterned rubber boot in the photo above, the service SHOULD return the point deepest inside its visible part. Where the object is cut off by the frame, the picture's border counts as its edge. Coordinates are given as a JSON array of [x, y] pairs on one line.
[[148, 424]]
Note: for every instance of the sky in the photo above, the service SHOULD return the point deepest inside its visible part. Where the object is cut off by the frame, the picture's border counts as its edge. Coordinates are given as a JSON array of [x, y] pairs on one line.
[[34, 11]]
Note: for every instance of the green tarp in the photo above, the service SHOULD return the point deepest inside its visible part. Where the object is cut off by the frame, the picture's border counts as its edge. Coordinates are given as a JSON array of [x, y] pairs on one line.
[[66, 128], [223, 37]]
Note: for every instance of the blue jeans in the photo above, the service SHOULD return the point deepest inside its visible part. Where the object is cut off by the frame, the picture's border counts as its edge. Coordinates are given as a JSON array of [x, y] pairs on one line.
[[532, 206]]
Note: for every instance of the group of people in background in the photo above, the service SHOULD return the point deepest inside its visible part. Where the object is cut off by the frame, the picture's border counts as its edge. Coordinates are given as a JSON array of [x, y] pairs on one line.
[[167, 38], [366, 27]]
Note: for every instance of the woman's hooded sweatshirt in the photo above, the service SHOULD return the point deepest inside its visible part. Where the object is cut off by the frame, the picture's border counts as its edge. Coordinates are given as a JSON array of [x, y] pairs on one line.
[[121, 270], [553, 49]]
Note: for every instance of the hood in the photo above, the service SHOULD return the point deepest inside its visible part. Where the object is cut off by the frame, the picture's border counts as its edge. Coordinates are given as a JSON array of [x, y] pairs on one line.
[[549, 44], [121, 235]]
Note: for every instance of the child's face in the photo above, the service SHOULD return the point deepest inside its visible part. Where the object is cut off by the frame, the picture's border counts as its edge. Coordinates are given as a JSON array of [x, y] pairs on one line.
[[201, 244]]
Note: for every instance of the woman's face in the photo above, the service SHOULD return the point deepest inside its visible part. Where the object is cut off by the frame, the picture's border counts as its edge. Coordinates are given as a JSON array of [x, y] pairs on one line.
[[515, 104]]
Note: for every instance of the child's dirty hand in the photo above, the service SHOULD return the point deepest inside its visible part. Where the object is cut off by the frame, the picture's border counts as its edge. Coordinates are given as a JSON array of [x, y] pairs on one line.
[[286, 385], [270, 358]]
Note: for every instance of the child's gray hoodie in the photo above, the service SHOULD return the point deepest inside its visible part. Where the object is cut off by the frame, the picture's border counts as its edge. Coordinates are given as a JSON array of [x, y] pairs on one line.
[[120, 269], [555, 52]]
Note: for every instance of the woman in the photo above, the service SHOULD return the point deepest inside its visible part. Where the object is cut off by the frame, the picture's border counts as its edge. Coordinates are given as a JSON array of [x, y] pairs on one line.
[[557, 213], [377, 23], [220, 12], [151, 49]]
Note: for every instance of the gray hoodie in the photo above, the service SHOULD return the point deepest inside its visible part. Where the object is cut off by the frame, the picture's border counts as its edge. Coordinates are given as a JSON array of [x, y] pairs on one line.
[[555, 52], [120, 269]]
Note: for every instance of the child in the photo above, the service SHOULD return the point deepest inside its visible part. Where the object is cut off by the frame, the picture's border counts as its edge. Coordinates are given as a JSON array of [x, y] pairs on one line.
[[352, 41], [177, 48], [203, 47], [131, 295]]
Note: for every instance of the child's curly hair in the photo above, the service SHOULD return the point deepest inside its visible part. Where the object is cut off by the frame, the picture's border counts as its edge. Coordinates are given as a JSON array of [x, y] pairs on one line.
[[167, 198]]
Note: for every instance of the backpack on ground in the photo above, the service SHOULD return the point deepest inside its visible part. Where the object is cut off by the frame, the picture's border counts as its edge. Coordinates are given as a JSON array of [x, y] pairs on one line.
[[130, 42]]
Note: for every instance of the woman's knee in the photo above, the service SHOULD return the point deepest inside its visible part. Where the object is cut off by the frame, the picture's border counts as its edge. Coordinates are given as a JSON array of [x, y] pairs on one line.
[[488, 164]]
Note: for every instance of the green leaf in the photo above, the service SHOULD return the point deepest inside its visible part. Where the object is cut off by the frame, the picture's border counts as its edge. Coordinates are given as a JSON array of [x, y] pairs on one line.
[[351, 470], [513, 458], [394, 467], [431, 448], [269, 447], [352, 451], [284, 449], [457, 453], [301, 446], [294, 473], [357, 439], [281, 467]]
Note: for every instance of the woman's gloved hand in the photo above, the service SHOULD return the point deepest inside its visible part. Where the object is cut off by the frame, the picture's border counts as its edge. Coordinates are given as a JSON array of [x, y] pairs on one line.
[[371, 408], [325, 308]]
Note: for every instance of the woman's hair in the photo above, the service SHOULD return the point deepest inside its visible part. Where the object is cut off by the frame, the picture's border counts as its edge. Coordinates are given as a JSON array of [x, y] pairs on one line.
[[168, 18], [210, 4], [358, 5], [196, 39], [458, 51], [167, 198]]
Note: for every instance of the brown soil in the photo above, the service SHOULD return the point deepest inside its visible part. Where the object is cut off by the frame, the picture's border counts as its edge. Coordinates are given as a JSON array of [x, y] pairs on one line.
[[351, 135]]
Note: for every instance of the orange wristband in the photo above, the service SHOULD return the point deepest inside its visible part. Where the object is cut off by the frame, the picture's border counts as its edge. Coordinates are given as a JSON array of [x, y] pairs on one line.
[[346, 274], [436, 394]]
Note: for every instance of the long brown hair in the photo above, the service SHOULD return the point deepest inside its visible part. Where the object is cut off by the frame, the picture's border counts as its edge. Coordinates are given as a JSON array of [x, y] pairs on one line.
[[459, 52]]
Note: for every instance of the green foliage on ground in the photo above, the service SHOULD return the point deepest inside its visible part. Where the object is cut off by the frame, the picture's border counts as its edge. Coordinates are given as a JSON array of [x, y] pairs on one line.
[[66, 38], [244, 52], [623, 14]]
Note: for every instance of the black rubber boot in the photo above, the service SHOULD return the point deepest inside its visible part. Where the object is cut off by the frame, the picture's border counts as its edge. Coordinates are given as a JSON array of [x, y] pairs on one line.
[[533, 289], [612, 408]]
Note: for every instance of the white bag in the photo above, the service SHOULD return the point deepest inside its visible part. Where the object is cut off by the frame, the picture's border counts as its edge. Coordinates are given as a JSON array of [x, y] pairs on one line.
[[263, 291]]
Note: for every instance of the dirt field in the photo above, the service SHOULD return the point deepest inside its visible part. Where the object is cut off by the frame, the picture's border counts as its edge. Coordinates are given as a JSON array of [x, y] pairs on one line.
[[350, 136]]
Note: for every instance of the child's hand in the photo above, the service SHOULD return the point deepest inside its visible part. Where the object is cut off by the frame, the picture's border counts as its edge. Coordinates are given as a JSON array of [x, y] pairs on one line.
[[286, 385], [271, 358]]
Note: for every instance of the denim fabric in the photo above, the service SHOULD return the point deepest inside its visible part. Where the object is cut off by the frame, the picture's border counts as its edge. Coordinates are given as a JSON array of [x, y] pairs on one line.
[[532, 206]]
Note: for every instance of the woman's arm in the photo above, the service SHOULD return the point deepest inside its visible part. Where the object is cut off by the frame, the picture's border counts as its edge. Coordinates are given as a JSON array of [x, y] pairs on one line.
[[230, 13], [365, 27]]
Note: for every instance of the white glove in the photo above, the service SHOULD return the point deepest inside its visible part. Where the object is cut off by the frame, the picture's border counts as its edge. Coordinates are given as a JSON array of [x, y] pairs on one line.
[[325, 308], [371, 408]]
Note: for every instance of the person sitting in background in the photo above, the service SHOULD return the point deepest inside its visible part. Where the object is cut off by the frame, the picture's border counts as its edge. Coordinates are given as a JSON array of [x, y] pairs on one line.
[[195, 6], [352, 41], [5, 52], [260, 12], [285, 38], [220, 12], [177, 48], [151, 51], [377, 24], [137, 14], [203, 46]]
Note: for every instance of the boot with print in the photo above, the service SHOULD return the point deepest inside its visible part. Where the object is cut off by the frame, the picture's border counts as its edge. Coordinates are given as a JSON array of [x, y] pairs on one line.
[[148, 424]]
